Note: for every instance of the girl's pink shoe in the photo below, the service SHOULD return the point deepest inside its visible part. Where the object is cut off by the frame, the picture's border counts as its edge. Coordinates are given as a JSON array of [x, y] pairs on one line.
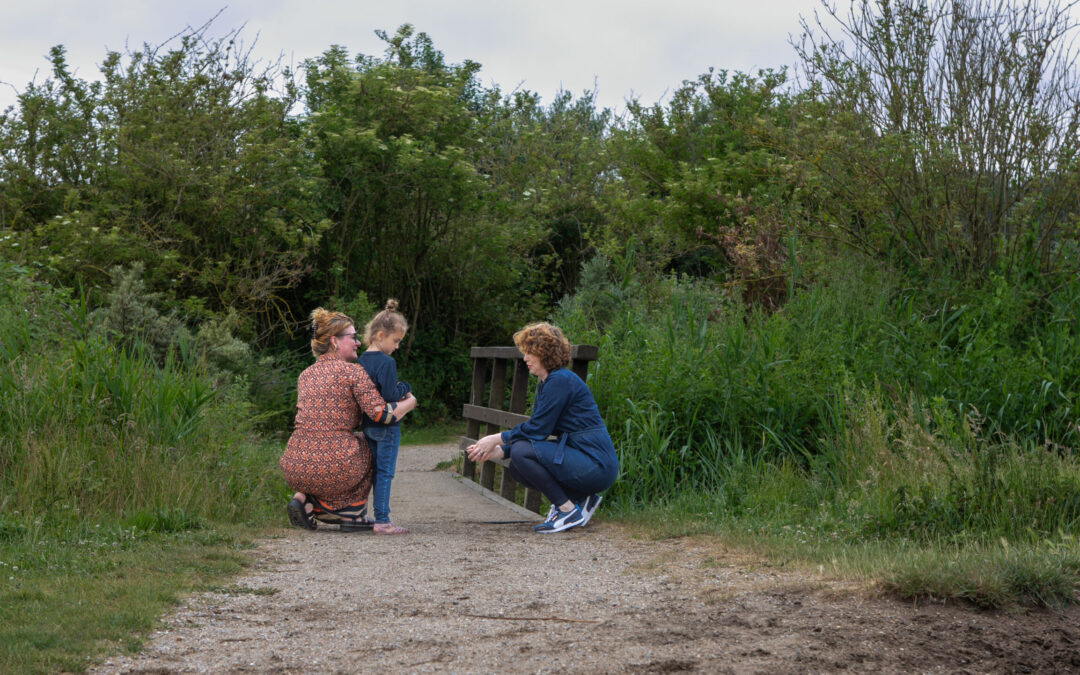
[[388, 528]]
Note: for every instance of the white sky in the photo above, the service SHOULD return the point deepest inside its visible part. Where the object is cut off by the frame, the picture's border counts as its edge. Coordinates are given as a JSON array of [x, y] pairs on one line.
[[625, 48]]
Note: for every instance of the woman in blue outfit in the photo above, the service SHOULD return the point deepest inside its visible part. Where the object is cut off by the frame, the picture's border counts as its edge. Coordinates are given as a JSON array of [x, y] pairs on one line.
[[572, 469]]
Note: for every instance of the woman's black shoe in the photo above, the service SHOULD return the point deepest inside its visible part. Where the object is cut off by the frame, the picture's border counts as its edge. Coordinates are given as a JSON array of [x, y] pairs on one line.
[[298, 516]]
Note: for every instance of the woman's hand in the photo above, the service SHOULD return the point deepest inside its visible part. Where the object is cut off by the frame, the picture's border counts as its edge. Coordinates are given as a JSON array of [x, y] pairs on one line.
[[487, 448], [404, 406]]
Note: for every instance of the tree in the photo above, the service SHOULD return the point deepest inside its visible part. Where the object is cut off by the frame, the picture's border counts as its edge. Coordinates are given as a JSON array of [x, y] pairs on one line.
[[707, 184], [947, 131], [184, 159], [51, 146], [396, 140], [547, 169]]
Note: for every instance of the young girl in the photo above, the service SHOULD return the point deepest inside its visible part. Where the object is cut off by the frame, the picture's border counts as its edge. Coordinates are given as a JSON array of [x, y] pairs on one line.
[[382, 335]]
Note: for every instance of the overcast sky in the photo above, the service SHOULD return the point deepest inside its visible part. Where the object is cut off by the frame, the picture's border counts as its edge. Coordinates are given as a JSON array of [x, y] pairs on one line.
[[623, 48]]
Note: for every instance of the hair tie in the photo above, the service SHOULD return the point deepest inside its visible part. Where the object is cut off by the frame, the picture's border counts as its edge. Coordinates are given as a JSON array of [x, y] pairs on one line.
[[312, 330]]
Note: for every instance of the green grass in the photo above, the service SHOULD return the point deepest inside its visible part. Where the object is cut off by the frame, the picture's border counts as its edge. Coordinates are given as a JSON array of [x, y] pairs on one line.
[[446, 432], [69, 599], [126, 481], [989, 575], [888, 423], [990, 522]]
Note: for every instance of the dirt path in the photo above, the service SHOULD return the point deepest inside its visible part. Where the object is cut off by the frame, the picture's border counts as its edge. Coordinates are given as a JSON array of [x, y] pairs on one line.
[[467, 592]]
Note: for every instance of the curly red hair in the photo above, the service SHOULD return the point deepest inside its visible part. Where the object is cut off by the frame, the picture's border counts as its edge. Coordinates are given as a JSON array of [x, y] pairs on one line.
[[546, 342]]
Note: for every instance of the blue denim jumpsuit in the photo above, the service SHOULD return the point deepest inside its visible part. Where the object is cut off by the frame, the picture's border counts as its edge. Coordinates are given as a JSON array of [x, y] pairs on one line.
[[581, 458]]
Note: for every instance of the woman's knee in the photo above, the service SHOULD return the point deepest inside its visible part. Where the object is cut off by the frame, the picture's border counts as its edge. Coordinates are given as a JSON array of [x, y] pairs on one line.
[[522, 450]]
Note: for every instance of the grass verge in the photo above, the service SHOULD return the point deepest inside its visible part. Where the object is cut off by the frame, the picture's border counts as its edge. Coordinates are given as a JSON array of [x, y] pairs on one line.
[[447, 432], [68, 600], [998, 575]]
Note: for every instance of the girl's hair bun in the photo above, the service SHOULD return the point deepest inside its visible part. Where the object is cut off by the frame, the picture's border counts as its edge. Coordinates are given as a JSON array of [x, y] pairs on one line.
[[391, 304]]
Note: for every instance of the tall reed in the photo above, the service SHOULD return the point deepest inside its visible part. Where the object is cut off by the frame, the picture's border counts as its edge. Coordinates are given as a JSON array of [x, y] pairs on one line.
[[884, 411], [90, 428]]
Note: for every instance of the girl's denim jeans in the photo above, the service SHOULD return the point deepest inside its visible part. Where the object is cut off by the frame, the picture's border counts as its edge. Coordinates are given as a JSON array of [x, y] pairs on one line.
[[383, 442]]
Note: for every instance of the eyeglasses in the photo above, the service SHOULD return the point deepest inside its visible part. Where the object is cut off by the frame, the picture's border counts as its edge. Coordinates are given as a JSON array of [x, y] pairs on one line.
[[352, 336]]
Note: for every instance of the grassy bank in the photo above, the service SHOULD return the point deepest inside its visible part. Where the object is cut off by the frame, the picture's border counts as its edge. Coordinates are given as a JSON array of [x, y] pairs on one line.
[[1014, 547], [922, 437], [127, 479], [68, 599]]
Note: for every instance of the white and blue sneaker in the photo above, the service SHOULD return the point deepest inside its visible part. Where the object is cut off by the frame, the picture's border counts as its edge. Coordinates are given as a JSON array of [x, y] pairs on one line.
[[559, 521], [552, 513], [588, 507]]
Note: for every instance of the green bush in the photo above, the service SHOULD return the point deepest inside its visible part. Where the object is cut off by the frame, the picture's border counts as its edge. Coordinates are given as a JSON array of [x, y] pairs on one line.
[[100, 430]]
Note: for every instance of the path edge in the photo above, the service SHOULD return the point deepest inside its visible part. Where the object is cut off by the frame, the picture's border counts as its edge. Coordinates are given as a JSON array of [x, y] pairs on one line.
[[497, 498]]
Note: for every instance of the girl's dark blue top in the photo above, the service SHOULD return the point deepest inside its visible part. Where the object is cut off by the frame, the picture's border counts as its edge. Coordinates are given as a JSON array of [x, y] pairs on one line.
[[382, 370]]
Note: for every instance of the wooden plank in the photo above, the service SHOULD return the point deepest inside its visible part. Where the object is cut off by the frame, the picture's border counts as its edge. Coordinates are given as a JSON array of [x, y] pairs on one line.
[[491, 416], [580, 368], [468, 467], [498, 384], [519, 387], [516, 508], [507, 486], [583, 352], [476, 397], [498, 388], [487, 475], [464, 442], [495, 353], [532, 497], [532, 500], [479, 378]]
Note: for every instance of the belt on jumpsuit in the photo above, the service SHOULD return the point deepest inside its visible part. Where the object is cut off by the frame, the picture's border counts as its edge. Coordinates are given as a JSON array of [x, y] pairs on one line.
[[560, 450]]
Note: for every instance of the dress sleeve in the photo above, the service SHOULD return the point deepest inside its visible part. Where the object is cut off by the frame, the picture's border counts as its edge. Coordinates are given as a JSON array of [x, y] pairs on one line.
[[548, 407], [367, 397]]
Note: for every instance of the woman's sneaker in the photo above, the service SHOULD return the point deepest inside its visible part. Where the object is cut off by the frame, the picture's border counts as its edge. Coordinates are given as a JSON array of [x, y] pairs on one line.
[[560, 521], [552, 513], [588, 507]]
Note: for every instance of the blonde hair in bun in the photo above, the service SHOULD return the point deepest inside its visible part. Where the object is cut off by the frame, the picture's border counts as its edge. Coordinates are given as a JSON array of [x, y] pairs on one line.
[[389, 321], [325, 325]]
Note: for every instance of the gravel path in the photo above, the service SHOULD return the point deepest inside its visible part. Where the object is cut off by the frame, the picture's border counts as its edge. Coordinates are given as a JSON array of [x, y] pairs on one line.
[[468, 592]]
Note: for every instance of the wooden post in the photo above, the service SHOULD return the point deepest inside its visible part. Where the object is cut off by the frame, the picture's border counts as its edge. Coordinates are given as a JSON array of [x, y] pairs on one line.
[[519, 387], [476, 397], [498, 386]]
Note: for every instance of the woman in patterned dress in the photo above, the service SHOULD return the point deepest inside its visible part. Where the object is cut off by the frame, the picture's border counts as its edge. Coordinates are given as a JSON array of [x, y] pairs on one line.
[[327, 460]]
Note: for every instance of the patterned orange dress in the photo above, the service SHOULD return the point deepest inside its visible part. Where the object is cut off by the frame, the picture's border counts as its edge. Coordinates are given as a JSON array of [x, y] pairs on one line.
[[324, 458]]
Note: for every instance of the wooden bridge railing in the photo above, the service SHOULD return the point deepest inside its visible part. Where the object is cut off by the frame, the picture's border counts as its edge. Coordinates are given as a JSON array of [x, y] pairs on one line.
[[492, 367]]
